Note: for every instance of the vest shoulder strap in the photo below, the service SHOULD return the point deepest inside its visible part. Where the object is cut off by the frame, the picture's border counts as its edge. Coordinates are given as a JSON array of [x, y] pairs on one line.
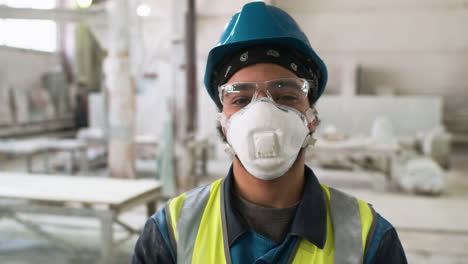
[[349, 221], [184, 215], [347, 228]]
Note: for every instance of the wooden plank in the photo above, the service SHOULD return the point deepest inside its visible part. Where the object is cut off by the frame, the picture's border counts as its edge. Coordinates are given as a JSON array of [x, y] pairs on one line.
[[66, 144], [22, 147], [143, 198], [60, 188], [50, 210]]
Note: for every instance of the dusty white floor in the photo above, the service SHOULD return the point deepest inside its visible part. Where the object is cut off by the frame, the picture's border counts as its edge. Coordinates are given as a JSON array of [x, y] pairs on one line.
[[443, 240]]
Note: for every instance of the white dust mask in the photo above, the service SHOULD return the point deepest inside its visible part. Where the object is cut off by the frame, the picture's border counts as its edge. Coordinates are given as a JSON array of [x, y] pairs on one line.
[[267, 137]]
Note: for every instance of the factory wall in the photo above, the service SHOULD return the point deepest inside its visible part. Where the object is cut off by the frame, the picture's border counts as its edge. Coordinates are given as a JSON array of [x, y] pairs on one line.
[[417, 47]]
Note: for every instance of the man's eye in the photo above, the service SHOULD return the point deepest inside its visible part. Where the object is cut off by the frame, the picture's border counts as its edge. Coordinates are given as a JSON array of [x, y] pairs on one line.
[[241, 101], [286, 98], [279, 85]]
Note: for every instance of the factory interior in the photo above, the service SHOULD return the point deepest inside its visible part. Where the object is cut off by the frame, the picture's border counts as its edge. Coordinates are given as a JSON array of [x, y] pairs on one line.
[[104, 117]]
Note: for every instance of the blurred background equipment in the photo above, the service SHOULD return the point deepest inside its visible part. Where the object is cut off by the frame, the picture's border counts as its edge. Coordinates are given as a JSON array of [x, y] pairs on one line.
[[94, 90]]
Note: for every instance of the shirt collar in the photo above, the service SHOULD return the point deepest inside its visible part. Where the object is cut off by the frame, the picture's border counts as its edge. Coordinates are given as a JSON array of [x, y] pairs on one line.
[[310, 221]]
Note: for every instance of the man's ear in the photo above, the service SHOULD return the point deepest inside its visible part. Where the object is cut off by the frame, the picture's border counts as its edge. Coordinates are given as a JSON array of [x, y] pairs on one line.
[[312, 118], [313, 125]]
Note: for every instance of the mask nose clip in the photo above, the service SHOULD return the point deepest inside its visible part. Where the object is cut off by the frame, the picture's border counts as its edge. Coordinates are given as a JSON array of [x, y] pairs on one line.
[[263, 99]]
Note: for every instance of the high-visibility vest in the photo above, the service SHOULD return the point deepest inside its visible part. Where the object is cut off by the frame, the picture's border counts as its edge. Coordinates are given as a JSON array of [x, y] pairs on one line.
[[198, 233]]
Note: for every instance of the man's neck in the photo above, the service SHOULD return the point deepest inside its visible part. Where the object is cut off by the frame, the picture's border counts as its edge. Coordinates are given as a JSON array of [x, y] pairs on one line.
[[281, 192]]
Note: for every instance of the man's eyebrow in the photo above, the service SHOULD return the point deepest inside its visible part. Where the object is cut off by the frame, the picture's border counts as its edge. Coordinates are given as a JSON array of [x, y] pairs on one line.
[[286, 82], [244, 86]]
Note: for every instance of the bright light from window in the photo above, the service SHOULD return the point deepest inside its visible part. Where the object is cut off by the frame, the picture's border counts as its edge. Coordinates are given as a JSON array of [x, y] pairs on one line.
[[84, 3], [30, 34], [143, 10], [2, 32], [2, 27], [38, 4]]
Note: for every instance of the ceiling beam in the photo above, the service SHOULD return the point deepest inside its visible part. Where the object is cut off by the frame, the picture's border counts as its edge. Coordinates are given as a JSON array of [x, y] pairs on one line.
[[60, 15]]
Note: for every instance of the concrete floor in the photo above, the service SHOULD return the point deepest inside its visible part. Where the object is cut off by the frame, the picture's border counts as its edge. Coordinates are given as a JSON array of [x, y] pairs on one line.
[[433, 230]]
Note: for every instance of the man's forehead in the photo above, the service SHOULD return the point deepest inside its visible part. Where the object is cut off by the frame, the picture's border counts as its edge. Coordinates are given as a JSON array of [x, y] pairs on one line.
[[261, 72]]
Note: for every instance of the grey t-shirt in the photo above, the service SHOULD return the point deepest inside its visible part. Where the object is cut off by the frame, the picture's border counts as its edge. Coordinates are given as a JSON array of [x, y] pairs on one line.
[[269, 222]]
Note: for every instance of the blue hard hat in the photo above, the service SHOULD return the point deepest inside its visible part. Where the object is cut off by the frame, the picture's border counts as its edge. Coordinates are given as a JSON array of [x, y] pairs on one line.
[[261, 24]]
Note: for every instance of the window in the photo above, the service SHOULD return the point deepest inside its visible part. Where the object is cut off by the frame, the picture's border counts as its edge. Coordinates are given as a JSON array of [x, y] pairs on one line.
[[37, 4], [29, 34]]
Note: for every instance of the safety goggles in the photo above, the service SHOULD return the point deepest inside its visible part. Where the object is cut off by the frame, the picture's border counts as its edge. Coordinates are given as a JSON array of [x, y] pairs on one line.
[[284, 91]]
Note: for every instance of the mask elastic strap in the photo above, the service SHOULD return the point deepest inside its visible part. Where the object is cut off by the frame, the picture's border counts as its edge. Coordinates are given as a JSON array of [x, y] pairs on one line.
[[311, 115], [229, 150], [309, 140]]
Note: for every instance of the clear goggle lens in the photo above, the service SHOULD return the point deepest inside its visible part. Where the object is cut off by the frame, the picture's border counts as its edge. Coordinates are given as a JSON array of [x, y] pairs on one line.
[[285, 91]]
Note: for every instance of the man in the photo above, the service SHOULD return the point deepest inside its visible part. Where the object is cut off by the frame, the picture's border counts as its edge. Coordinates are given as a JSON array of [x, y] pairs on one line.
[[265, 79]]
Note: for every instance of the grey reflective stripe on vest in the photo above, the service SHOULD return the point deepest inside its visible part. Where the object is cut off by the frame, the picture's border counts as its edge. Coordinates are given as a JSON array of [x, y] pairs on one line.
[[227, 251], [346, 219], [189, 221]]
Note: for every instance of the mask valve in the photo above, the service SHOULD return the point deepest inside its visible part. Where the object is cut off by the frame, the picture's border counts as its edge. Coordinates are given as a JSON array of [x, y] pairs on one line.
[[265, 145]]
